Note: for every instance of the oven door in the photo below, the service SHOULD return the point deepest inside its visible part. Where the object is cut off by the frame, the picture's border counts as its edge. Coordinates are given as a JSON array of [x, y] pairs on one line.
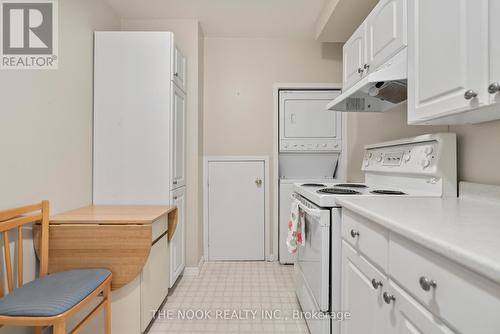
[[313, 259]]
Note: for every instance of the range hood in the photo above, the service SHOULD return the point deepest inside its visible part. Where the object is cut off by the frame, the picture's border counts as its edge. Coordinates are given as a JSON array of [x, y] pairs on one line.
[[380, 90]]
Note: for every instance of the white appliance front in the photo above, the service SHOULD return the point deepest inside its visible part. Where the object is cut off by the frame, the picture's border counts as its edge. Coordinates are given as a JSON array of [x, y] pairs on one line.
[[312, 269], [305, 124]]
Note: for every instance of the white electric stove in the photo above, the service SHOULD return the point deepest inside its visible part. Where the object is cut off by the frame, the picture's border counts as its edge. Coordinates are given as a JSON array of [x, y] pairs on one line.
[[420, 167]]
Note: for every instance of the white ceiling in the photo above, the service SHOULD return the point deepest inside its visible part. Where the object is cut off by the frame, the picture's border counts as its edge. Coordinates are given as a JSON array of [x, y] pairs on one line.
[[232, 18]]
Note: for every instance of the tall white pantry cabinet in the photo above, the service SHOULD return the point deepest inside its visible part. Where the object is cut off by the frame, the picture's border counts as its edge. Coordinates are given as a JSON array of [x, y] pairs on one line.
[[140, 126]]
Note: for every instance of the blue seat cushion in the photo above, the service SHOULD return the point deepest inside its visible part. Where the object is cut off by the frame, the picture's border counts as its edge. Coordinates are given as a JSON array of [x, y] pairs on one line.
[[53, 294]]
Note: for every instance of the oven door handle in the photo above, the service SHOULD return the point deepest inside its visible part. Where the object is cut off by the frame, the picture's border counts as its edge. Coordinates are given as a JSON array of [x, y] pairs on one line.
[[309, 211]]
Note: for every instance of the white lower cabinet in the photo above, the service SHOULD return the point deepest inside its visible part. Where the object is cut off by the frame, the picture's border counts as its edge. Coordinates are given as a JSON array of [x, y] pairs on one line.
[[359, 296], [178, 243], [154, 280], [418, 292]]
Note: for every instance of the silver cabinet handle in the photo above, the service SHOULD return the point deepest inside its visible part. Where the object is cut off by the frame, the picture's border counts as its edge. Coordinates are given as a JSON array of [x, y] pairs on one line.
[[426, 284], [354, 234], [388, 298], [376, 284], [470, 94], [494, 88]]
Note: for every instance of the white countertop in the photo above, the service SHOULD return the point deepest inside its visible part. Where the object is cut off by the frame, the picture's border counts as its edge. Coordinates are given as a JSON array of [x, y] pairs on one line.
[[464, 230]]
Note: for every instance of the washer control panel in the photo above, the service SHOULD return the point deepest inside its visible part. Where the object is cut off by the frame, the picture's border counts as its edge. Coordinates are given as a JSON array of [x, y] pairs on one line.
[[409, 158], [310, 145]]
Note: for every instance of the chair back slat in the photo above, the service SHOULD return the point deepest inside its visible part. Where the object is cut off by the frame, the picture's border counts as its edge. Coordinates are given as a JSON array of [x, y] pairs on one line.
[[8, 264], [16, 219], [20, 263]]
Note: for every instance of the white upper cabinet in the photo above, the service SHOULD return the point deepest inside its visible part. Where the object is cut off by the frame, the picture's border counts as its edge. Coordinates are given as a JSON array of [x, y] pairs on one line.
[[382, 35], [494, 54], [354, 57], [178, 137], [386, 31], [179, 72], [447, 60]]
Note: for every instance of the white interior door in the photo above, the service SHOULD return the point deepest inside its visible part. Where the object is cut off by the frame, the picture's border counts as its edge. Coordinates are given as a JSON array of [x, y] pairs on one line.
[[236, 210]]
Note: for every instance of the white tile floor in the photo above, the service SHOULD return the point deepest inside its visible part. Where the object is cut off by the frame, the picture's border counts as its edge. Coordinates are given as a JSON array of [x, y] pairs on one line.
[[242, 287]]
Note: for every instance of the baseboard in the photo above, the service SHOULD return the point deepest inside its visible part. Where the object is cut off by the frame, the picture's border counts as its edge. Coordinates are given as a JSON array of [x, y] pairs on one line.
[[194, 271]]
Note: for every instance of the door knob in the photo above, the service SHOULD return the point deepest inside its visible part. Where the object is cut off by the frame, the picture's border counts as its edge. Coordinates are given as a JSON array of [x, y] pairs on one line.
[[494, 88], [470, 94], [258, 182]]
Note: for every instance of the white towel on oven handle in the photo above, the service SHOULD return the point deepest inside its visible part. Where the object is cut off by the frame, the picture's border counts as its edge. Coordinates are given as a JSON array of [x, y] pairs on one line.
[[296, 229]]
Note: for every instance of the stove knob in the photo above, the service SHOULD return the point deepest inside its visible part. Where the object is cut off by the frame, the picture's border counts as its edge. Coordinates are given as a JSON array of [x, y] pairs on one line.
[[426, 163], [428, 150]]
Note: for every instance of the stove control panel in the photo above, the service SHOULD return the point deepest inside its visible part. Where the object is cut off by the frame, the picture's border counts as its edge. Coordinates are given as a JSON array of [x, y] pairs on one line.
[[419, 158], [310, 145]]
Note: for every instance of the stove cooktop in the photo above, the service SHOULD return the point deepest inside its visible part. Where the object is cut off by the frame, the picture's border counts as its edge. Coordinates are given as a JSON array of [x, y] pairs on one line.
[[351, 185], [338, 191], [317, 185], [387, 192]]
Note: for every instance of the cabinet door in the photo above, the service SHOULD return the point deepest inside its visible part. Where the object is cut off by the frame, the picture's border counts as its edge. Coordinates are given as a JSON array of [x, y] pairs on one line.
[[386, 31], [178, 138], [447, 43], [409, 317], [179, 69], [494, 40], [154, 281], [354, 54], [177, 243], [359, 296]]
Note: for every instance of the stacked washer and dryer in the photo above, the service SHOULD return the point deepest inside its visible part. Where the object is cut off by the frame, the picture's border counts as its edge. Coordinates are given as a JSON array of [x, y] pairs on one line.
[[310, 148]]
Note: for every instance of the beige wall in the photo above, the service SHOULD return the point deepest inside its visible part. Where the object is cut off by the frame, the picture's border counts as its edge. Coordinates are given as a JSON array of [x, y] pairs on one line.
[[479, 152], [46, 122], [189, 39], [239, 78]]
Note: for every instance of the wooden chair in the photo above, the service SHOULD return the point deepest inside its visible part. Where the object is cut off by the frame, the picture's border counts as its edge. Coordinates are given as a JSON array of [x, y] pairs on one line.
[[50, 299]]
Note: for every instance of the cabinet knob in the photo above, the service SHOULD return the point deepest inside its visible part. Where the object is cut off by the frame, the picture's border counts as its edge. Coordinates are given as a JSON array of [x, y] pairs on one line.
[[426, 284], [175, 182], [175, 198], [388, 298], [258, 182], [360, 70], [494, 88], [354, 234], [366, 67], [470, 94], [176, 74], [376, 284]]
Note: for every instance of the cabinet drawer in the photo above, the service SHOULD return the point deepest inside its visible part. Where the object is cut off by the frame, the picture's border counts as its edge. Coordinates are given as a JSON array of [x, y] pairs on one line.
[[159, 227], [467, 301], [366, 237]]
